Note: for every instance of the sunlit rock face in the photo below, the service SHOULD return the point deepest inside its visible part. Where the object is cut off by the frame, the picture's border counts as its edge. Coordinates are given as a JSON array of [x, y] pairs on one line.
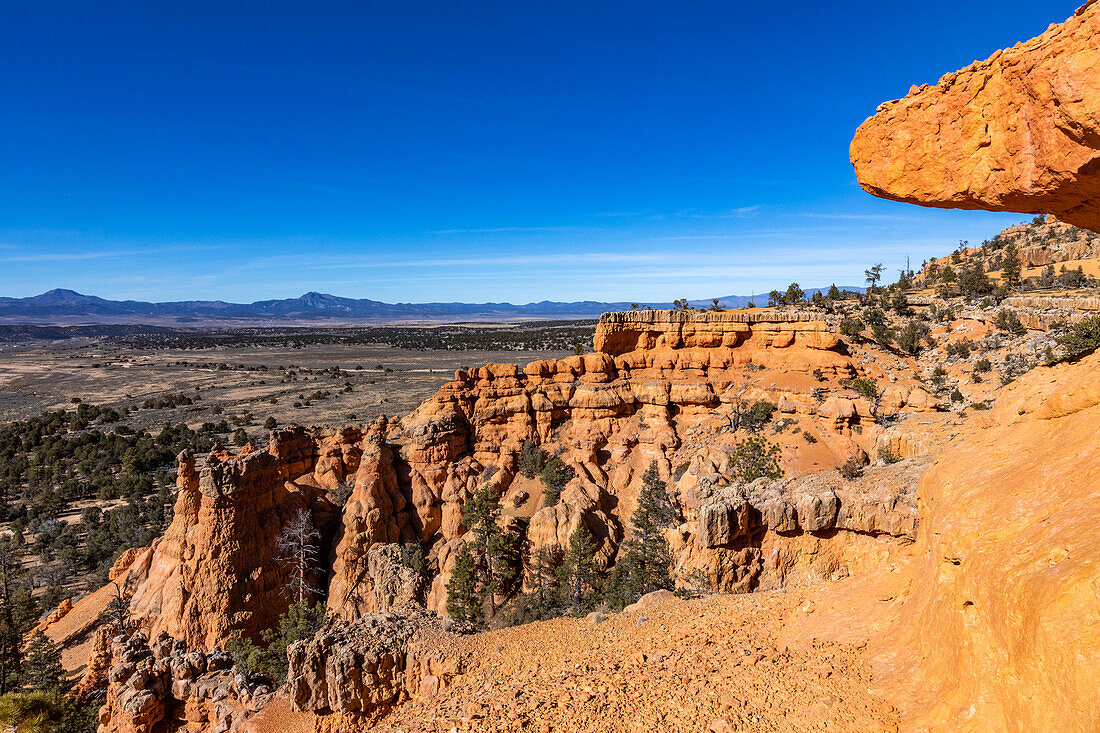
[[1019, 131]]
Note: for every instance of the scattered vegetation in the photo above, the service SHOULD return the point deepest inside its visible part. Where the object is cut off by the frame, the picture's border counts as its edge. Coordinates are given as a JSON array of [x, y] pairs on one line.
[[555, 475], [754, 458], [1081, 338], [531, 336], [268, 658]]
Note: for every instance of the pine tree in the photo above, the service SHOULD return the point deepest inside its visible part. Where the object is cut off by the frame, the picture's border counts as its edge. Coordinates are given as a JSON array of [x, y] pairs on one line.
[[753, 458], [555, 475], [542, 570], [973, 279], [578, 578], [1010, 265], [531, 459], [647, 554], [874, 275], [42, 670], [18, 613], [494, 549], [463, 603]]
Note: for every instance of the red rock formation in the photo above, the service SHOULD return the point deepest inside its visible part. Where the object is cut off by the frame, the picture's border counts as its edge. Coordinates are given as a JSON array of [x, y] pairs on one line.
[[663, 390], [215, 570], [94, 681], [366, 667], [1017, 132], [374, 515], [662, 383]]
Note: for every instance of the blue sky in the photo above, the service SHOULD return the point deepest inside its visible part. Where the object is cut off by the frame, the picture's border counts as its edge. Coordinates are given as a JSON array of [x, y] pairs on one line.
[[465, 151]]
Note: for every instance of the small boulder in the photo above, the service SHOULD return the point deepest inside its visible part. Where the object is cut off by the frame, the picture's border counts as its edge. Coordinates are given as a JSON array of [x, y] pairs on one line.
[[649, 600]]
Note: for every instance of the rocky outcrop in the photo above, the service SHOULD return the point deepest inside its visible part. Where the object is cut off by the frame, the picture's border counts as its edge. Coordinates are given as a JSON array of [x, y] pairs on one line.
[[763, 534], [1050, 242], [164, 686], [93, 684], [807, 504], [365, 667], [1017, 132], [215, 571], [751, 335], [374, 516], [1062, 306]]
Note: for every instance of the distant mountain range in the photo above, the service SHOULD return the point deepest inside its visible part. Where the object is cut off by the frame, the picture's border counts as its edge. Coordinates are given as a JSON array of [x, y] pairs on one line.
[[66, 307]]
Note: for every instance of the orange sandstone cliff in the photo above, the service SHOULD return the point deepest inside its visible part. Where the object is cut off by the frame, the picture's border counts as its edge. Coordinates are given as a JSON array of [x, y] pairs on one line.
[[991, 623]]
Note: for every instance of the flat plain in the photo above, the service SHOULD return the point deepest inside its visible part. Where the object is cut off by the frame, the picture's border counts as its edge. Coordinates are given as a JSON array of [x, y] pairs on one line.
[[293, 381]]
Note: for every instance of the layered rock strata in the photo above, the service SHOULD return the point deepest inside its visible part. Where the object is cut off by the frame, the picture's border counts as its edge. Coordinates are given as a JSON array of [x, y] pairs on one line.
[[664, 387]]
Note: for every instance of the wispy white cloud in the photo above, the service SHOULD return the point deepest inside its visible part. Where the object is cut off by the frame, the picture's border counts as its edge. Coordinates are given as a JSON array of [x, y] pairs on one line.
[[507, 230], [563, 259], [858, 217], [103, 254]]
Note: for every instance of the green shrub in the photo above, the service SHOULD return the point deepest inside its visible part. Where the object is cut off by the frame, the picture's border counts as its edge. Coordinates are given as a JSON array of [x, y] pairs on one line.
[[888, 457], [1007, 320], [864, 386], [912, 337], [757, 415], [755, 458], [301, 621], [851, 327], [555, 475], [851, 469], [882, 333], [532, 459], [1081, 338], [960, 349]]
